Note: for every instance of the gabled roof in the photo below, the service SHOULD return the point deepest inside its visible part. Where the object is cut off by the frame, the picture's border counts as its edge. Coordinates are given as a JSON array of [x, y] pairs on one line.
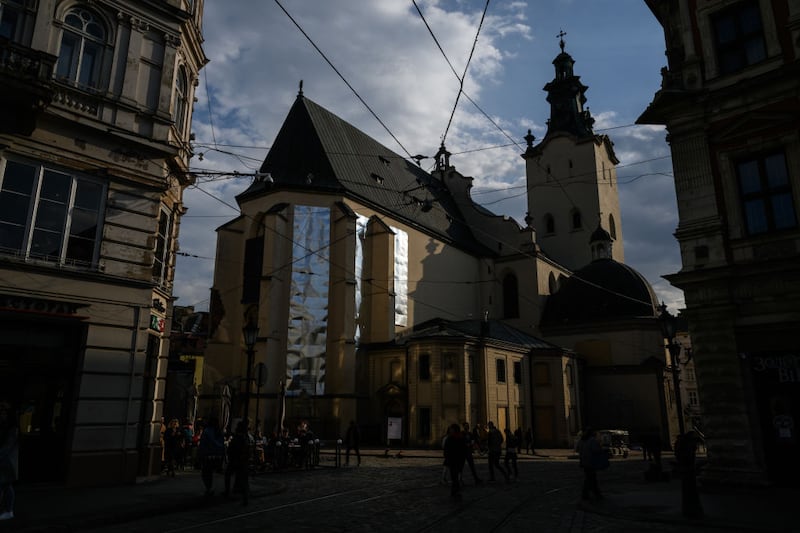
[[494, 330], [316, 151]]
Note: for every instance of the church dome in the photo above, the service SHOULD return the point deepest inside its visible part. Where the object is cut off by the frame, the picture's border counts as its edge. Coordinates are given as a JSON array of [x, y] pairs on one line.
[[604, 289]]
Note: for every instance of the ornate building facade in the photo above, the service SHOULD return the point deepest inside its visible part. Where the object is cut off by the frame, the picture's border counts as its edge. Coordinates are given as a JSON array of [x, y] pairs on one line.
[[96, 102], [729, 99]]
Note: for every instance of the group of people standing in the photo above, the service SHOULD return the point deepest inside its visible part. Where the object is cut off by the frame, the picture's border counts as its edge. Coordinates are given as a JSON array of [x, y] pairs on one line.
[[460, 443]]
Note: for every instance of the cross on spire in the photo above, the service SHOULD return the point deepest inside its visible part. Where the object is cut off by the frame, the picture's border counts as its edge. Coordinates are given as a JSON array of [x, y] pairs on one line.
[[560, 36]]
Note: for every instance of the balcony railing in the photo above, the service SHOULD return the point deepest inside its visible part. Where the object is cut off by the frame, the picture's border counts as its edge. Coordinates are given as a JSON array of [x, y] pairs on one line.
[[24, 63]]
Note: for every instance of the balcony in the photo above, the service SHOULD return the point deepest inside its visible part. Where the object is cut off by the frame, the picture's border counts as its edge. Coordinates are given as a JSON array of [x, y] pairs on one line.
[[25, 86]]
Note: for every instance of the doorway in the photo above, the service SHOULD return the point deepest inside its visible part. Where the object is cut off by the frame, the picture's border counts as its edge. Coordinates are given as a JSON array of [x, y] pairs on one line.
[[37, 372]]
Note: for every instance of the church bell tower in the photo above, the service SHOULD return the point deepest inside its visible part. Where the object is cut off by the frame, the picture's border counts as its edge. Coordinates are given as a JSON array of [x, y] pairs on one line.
[[571, 174]]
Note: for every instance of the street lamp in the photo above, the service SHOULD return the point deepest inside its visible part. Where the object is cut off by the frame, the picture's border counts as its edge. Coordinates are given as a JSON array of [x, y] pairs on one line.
[[686, 443], [669, 324], [250, 332]]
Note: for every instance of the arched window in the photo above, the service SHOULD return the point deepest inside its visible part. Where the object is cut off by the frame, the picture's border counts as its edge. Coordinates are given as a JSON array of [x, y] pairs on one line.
[[510, 297], [80, 58], [612, 227], [181, 100], [577, 222], [552, 283], [549, 224]]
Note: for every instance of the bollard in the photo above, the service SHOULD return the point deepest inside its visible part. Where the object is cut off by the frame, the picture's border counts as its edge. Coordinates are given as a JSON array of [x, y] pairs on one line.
[[338, 453], [316, 452]]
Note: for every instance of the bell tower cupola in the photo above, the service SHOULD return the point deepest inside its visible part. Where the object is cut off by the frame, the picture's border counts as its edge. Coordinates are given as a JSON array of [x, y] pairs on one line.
[[566, 95]]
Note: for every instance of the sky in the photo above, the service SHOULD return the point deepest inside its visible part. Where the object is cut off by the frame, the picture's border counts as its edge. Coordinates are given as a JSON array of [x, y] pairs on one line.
[[385, 52]]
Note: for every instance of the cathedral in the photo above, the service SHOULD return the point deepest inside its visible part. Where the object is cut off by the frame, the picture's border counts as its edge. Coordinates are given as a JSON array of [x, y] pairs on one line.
[[385, 295]]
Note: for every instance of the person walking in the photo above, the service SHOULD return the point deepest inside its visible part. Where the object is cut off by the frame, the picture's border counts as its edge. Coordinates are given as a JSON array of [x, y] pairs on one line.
[[589, 452], [352, 439], [9, 459], [211, 452], [455, 450], [173, 445], [495, 444], [529, 442], [512, 445], [518, 436], [469, 441], [238, 461]]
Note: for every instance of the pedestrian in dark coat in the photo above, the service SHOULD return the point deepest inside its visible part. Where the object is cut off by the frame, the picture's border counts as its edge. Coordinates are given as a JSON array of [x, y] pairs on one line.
[[495, 443], [211, 451], [511, 453], [529, 442], [589, 451], [471, 444], [455, 452], [351, 440], [173, 445], [238, 461]]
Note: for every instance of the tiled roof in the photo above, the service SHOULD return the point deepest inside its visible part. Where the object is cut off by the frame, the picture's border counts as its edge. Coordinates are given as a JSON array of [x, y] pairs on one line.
[[316, 151]]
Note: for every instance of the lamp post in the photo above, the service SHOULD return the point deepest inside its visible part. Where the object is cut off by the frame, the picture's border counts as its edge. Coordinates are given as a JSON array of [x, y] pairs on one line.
[[686, 443], [250, 332], [668, 329]]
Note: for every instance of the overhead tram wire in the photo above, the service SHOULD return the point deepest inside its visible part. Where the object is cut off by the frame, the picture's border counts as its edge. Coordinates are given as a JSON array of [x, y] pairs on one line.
[[208, 102], [374, 114]]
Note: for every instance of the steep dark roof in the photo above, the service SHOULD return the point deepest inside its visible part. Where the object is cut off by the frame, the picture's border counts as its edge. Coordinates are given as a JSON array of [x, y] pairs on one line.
[[602, 290], [316, 151], [494, 330]]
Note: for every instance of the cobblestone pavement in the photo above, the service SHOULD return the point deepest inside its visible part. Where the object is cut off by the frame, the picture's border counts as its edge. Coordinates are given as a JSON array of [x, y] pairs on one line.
[[406, 495]]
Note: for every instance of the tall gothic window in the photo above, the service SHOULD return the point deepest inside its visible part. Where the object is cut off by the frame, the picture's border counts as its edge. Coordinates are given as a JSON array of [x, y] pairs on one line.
[[577, 221], [549, 224], [612, 227], [80, 58], [510, 297], [49, 215]]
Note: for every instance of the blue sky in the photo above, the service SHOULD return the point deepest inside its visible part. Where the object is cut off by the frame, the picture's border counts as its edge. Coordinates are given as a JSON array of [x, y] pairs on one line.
[[386, 53]]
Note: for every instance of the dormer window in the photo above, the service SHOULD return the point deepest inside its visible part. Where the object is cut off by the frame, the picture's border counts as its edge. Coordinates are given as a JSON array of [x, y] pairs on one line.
[[377, 178]]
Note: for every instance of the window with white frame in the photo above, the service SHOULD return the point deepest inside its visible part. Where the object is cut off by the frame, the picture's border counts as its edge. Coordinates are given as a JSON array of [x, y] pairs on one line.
[[181, 105], [766, 193], [163, 245], [50, 215], [739, 36], [83, 41], [16, 20]]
